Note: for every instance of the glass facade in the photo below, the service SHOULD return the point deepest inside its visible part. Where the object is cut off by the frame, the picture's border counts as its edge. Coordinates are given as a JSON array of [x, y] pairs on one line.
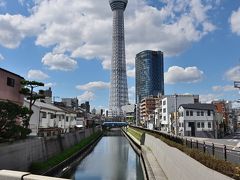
[[149, 74]]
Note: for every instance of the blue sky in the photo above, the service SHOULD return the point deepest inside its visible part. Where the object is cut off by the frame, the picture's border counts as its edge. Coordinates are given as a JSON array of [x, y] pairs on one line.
[[67, 45]]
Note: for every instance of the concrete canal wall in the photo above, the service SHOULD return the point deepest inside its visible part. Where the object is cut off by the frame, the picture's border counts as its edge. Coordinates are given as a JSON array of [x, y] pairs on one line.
[[19, 155]]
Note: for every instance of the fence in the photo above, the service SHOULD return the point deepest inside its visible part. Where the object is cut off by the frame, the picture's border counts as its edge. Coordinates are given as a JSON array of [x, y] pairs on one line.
[[219, 151]]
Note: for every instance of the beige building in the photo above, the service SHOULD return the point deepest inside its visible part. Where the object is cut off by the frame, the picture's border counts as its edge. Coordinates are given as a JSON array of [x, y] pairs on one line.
[[147, 108]]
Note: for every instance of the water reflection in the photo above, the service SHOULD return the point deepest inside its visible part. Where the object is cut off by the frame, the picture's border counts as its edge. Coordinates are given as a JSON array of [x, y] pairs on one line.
[[113, 158]]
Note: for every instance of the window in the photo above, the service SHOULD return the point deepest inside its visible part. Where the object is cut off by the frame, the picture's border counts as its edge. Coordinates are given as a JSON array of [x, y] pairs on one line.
[[10, 82], [164, 102], [202, 124], [191, 113], [44, 114], [202, 113], [209, 125], [209, 113], [164, 110], [198, 124], [52, 116], [187, 113], [164, 118], [67, 119], [198, 113]]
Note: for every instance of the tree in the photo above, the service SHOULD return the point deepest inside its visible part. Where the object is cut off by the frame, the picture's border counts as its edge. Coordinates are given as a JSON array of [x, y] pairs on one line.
[[9, 114], [27, 91]]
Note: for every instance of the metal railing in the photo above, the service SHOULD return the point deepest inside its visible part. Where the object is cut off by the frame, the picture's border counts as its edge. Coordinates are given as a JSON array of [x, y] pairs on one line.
[[218, 151]]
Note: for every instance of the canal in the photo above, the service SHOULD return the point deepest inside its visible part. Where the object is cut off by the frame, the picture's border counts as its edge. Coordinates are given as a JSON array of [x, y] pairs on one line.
[[113, 158]]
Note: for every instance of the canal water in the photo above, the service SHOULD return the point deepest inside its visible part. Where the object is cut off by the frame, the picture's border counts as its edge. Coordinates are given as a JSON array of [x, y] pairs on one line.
[[112, 159]]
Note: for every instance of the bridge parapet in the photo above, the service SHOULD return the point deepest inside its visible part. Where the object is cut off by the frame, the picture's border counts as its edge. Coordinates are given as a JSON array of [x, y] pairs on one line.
[[17, 175]]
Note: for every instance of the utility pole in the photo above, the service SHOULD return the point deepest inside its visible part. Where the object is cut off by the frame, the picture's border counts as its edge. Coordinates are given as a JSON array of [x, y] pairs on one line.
[[176, 122]]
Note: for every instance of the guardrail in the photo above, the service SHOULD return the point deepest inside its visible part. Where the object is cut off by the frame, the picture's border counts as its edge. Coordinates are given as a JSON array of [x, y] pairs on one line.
[[219, 151]]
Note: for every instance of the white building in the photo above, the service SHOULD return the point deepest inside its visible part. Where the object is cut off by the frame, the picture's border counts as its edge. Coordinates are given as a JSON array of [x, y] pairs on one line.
[[167, 105], [48, 119], [129, 112], [197, 120]]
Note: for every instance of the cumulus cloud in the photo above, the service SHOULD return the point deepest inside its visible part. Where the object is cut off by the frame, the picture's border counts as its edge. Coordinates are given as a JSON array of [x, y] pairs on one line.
[[131, 94], [208, 98], [235, 22], [176, 74], [93, 86], [1, 57], [86, 96], [36, 75], [50, 84], [131, 72], [224, 88], [83, 28], [59, 62], [233, 74]]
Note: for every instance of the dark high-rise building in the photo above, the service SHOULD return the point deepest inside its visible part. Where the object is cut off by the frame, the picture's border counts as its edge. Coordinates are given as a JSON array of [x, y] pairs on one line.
[[149, 75]]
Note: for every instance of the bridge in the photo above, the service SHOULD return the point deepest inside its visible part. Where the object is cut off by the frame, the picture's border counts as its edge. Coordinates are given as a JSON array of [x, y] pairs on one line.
[[114, 124]]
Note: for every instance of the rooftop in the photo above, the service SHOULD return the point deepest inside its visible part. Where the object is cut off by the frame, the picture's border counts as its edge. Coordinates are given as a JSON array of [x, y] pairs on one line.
[[198, 106]]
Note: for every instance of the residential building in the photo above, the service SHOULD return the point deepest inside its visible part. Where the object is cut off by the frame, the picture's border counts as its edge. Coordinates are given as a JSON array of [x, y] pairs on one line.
[[86, 106], [197, 120], [129, 112], [48, 120], [70, 102], [169, 104], [48, 95], [224, 107], [147, 111], [10, 85], [149, 76]]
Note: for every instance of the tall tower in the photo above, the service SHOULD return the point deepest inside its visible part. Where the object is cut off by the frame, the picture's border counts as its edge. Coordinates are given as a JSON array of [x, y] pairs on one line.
[[118, 87]]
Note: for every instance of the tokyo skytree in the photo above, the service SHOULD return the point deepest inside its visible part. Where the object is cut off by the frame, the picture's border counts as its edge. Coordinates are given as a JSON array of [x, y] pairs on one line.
[[118, 87]]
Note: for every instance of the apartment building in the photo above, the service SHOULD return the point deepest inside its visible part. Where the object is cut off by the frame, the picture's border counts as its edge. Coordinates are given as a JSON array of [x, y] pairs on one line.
[[10, 85]]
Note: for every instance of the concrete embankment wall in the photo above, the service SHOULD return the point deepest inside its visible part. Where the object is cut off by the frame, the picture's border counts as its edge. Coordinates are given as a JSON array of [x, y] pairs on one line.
[[19, 155], [179, 166]]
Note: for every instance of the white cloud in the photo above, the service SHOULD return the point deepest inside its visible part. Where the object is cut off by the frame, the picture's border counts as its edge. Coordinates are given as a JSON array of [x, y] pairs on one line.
[[93, 86], [36, 75], [208, 98], [224, 88], [2, 3], [21, 2], [1, 57], [50, 84], [235, 22], [233, 74], [83, 28], [131, 72], [176, 74], [59, 62], [86, 96], [131, 94]]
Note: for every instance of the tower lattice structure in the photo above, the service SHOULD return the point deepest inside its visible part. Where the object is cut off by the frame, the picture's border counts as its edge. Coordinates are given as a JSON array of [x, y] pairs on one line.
[[118, 87]]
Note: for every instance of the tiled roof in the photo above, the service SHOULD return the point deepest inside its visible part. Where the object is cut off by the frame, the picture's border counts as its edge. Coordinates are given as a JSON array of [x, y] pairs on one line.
[[199, 106]]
